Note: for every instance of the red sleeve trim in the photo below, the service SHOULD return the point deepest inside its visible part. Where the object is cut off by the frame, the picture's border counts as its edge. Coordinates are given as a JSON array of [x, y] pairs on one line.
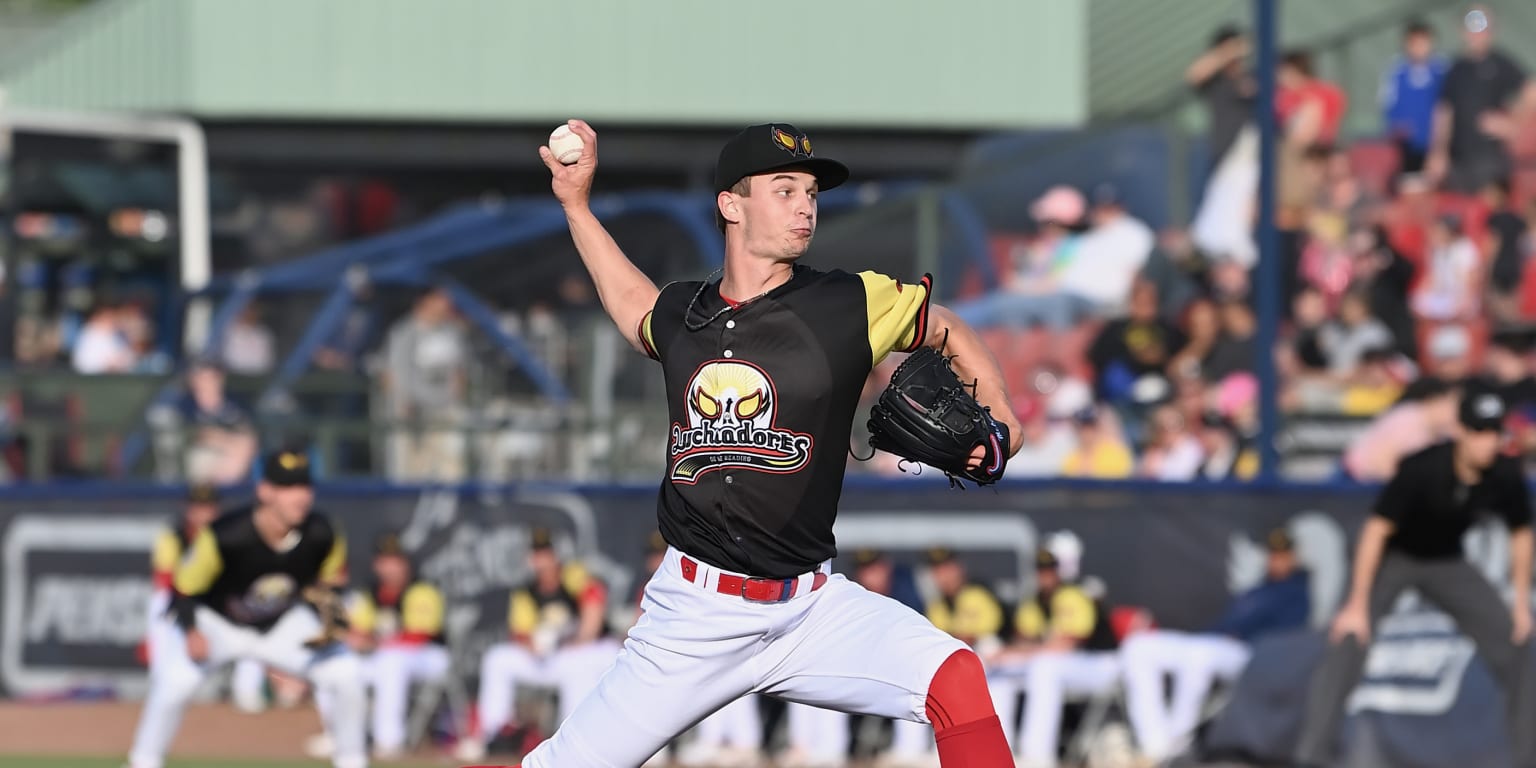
[[921, 322], [164, 579]]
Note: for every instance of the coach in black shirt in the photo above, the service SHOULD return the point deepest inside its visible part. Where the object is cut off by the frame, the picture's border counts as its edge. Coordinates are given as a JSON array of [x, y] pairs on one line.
[[1414, 540]]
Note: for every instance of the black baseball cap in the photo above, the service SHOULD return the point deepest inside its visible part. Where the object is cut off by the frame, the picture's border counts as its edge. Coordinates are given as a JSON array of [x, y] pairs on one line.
[[388, 544], [1045, 560], [286, 468], [202, 493], [1279, 540], [541, 538], [1482, 412], [772, 147], [867, 556], [940, 555]]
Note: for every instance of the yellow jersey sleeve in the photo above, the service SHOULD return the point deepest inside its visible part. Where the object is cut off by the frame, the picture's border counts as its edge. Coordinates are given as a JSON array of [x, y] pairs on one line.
[[575, 579], [362, 614], [1028, 621], [422, 610], [977, 614], [522, 613], [196, 574], [333, 570], [647, 341], [1072, 613], [167, 552], [897, 313]]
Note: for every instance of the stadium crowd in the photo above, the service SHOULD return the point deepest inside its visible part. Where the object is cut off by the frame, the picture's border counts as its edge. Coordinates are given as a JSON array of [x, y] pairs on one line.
[[1131, 353], [1405, 263]]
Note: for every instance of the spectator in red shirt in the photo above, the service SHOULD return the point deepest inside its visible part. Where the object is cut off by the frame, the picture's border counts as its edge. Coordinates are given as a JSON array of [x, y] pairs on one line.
[[1309, 108]]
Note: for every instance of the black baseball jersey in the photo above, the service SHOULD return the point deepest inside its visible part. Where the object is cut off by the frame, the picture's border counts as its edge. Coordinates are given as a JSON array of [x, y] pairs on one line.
[[530, 608], [411, 615], [1068, 611], [762, 398], [233, 571], [1431, 509]]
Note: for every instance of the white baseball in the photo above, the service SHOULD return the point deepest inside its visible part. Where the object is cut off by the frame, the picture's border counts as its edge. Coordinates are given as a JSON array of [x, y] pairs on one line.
[[565, 145]]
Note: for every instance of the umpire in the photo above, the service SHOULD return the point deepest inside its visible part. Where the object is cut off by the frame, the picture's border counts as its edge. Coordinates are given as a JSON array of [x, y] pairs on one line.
[[1413, 539]]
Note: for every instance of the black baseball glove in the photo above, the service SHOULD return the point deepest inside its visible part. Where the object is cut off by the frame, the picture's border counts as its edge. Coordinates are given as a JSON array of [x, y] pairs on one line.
[[927, 415], [331, 606]]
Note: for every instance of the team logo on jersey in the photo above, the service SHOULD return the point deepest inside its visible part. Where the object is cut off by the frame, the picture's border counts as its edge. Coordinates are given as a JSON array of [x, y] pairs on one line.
[[731, 409], [267, 597]]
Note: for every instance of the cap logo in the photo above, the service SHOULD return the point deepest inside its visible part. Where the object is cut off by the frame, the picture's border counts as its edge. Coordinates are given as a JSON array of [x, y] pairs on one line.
[[291, 461], [799, 146], [1488, 407]]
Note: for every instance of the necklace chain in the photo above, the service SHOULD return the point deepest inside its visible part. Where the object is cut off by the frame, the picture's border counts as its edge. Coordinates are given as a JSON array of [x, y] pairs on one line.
[[728, 307]]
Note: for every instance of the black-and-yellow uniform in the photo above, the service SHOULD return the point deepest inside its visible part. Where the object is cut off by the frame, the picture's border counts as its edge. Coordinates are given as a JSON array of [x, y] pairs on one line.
[[762, 396], [1067, 611], [530, 608], [172, 543], [972, 614], [413, 615], [233, 571]]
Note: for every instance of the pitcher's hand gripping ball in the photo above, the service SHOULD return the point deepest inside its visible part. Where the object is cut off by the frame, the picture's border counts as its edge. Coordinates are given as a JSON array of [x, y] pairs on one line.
[[565, 145], [926, 415]]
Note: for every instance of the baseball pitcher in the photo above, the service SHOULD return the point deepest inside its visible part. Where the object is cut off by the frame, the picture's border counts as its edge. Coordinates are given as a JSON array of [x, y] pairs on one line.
[[763, 370]]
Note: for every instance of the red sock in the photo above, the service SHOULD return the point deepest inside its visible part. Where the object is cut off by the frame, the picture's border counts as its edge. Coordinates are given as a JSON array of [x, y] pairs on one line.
[[964, 723]]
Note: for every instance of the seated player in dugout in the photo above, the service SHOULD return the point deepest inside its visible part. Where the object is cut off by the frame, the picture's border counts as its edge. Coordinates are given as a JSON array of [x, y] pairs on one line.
[[1062, 643], [172, 545], [400, 620], [245, 591], [559, 632]]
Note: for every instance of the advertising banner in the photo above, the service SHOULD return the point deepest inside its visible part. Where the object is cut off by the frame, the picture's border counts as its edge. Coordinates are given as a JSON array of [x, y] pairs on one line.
[[75, 581]]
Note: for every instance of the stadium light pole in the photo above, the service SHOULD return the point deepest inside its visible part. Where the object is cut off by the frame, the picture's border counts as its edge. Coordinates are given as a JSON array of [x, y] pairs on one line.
[[1267, 282]]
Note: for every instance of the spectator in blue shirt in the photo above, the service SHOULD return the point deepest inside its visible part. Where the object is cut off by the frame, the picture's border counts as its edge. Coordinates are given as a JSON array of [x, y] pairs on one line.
[[1195, 661], [1410, 88]]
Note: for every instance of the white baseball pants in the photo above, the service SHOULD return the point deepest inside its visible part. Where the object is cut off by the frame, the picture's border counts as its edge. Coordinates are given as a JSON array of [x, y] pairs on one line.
[[694, 650], [573, 671], [174, 677], [391, 670], [1047, 679], [1195, 662]]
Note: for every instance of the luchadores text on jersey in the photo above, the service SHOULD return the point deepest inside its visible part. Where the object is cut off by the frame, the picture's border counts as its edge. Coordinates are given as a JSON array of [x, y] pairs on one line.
[[731, 423]]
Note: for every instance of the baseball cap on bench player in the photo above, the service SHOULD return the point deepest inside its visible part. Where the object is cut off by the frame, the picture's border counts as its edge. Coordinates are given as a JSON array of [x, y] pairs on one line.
[[773, 147], [286, 468], [1482, 412]]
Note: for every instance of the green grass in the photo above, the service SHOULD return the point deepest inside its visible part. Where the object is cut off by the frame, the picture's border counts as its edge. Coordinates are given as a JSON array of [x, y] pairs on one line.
[[117, 762]]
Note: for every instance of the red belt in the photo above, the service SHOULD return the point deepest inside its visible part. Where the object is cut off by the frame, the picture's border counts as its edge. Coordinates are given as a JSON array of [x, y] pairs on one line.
[[755, 590]]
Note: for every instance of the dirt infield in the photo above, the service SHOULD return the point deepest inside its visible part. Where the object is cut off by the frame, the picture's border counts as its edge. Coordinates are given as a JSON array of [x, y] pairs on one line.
[[208, 731]]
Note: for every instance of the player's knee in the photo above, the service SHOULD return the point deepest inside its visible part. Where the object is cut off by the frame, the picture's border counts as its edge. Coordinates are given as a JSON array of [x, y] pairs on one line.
[[959, 692], [504, 661], [177, 683], [340, 672]]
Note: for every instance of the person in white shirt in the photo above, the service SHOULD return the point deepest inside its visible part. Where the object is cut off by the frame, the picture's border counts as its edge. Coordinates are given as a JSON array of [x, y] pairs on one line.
[[1085, 274], [1449, 288], [1109, 255], [1173, 453], [102, 346]]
